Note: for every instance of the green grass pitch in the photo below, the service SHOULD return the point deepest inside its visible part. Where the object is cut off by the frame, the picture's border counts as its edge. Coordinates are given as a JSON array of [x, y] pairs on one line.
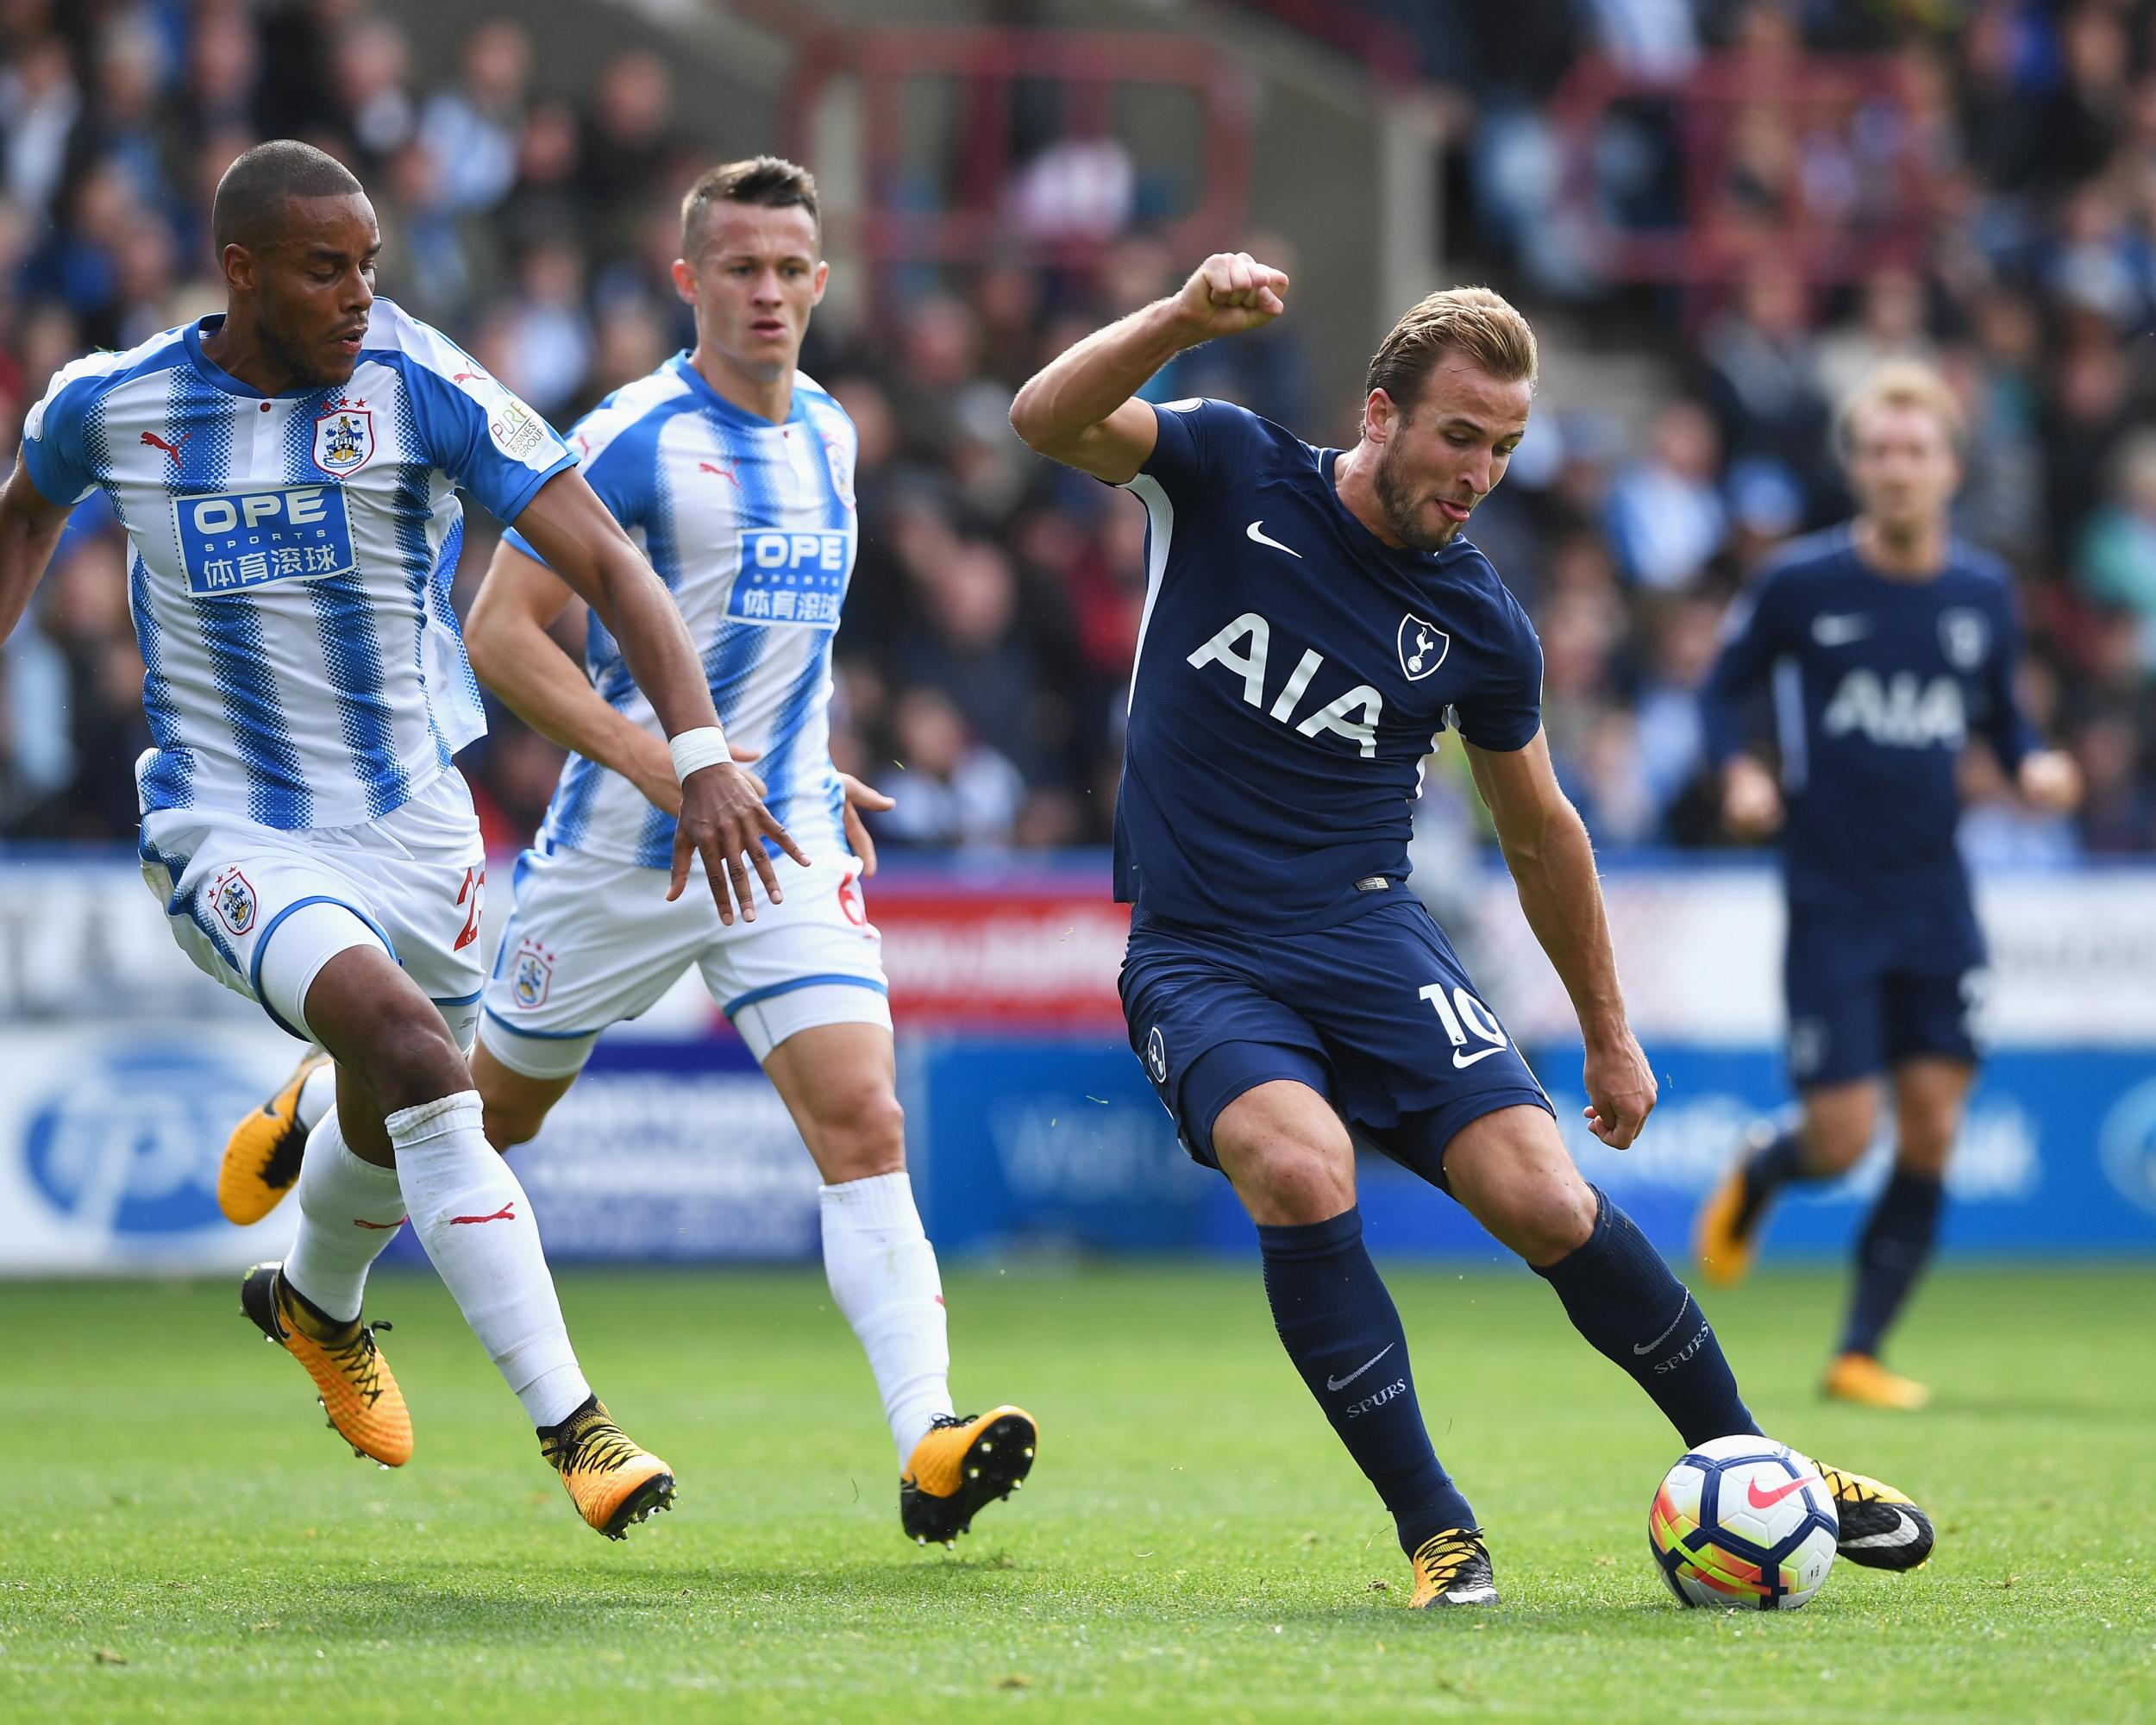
[[182, 1539]]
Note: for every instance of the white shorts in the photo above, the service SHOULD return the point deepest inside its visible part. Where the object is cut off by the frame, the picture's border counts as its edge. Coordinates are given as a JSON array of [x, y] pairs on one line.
[[591, 942], [263, 910]]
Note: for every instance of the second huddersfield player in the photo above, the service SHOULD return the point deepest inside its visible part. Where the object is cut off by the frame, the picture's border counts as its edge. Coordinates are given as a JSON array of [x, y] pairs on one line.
[[735, 472], [1888, 644]]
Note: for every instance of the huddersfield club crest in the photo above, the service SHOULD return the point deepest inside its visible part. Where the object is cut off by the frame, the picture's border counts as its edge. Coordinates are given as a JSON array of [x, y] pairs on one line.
[[234, 900], [530, 976], [842, 467], [1422, 647], [344, 440]]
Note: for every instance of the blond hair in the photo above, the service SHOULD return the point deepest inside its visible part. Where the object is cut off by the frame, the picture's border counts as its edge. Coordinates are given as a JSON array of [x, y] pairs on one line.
[[1900, 383], [1480, 325]]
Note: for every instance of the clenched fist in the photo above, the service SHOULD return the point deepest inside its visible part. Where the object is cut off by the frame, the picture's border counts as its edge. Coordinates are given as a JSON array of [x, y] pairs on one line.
[[1228, 293]]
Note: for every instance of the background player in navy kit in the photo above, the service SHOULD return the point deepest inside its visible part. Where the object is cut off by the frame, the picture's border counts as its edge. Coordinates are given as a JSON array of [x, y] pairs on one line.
[[1887, 642], [1313, 621]]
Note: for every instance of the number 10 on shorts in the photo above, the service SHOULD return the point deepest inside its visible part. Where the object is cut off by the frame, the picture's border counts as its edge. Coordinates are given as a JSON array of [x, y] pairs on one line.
[[1465, 1019]]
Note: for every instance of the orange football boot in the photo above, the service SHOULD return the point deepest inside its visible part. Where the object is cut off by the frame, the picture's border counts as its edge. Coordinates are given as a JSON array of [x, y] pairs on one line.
[[358, 1390], [1453, 1568], [1860, 1378], [262, 1158], [1726, 1238], [613, 1482], [1881, 1528], [964, 1463]]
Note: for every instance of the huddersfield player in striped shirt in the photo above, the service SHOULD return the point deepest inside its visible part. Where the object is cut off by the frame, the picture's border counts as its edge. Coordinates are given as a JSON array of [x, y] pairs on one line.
[[286, 472], [735, 472]]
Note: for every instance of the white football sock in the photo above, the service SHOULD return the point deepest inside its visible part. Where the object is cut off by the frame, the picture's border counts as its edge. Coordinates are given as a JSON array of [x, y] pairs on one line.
[[476, 1224], [317, 1095], [350, 1210], [883, 1276]]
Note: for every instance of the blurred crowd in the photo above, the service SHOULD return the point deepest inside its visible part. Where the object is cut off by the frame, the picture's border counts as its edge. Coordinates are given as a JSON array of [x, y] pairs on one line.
[[992, 620]]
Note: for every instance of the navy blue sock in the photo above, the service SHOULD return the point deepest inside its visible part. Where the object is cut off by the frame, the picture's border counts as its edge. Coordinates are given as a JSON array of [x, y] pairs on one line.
[[1620, 1295], [1781, 1164], [1895, 1245], [1340, 1327]]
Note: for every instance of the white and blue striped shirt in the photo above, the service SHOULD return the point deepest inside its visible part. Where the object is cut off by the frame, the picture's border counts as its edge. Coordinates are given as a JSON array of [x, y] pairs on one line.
[[751, 526], [292, 560]]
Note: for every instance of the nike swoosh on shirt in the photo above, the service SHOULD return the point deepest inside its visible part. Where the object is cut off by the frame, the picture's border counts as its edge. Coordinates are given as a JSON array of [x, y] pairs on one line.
[[1254, 532], [1651, 1346], [1343, 1382], [1840, 632], [1462, 1059]]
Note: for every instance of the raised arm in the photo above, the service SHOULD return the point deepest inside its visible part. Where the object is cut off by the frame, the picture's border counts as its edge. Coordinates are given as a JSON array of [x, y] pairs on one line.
[[1080, 408], [721, 819], [1552, 863], [30, 526]]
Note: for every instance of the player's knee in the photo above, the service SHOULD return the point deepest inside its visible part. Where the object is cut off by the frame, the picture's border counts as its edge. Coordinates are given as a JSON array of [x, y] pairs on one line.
[[1836, 1136], [1290, 1185], [408, 1060], [511, 1121], [1927, 1138], [859, 1133], [1543, 1217]]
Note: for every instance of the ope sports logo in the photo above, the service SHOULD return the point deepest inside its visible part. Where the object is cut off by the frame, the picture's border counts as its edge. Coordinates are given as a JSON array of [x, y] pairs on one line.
[[230, 541], [791, 578]]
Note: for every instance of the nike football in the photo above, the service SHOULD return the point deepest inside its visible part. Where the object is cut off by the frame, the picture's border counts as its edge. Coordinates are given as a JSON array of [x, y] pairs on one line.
[[1743, 1522]]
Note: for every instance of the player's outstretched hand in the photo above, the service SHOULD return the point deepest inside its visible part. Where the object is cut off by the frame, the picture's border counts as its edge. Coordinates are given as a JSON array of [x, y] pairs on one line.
[[860, 796], [2051, 780], [1751, 801], [653, 774], [1228, 293], [723, 821], [1621, 1090]]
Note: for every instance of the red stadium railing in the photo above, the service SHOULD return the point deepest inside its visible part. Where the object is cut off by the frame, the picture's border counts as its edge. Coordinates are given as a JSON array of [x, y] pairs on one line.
[[1800, 108]]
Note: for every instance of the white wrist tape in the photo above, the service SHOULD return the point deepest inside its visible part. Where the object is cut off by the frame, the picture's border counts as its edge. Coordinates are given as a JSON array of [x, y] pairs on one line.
[[693, 750]]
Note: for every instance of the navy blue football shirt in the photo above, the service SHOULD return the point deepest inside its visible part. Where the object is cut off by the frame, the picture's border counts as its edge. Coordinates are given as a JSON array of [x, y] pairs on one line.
[[1293, 671], [1876, 685]]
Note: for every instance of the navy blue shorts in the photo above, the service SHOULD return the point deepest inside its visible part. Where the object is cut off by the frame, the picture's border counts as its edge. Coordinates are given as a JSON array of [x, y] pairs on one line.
[[1376, 1014], [1871, 987]]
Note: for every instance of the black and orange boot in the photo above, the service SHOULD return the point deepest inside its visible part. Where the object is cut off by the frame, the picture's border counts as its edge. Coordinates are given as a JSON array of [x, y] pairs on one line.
[[356, 1389], [1880, 1528], [963, 1465], [613, 1481], [1453, 1568], [262, 1158]]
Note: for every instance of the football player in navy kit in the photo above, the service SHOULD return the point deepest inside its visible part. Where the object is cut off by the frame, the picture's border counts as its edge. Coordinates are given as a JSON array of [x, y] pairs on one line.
[[1313, 619], [1887, 642]]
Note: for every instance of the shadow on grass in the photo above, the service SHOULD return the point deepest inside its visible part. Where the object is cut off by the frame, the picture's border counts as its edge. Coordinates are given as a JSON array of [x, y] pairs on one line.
[[507, 1606], [458, 1604]]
